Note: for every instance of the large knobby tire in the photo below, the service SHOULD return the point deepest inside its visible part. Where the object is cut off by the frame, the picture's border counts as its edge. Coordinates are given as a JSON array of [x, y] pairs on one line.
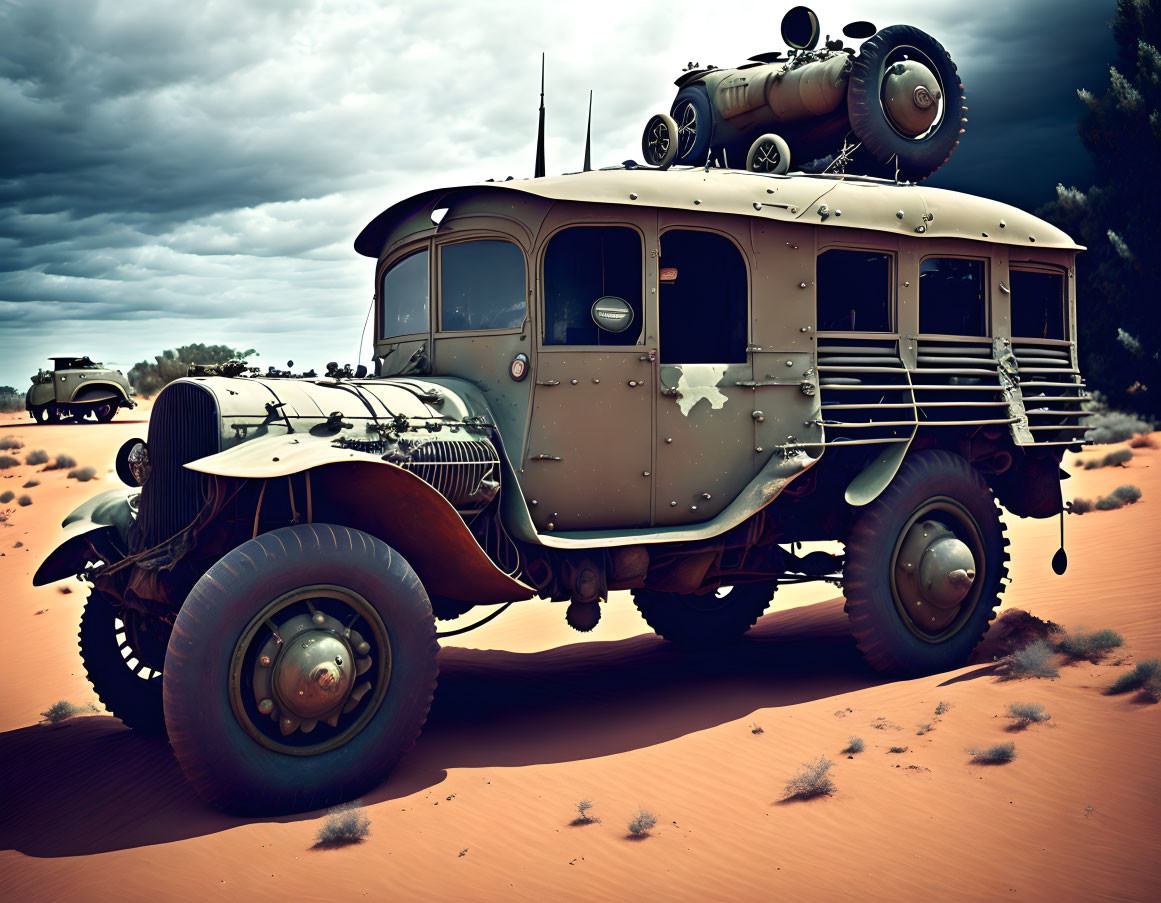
[[231, 748], [918, 157], [931, 487], [126, 682], [714, 619], [691, 111]]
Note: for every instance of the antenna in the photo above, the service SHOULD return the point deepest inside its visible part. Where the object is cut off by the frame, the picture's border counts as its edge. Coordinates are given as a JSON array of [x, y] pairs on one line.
[[589, 137], [539, 172]]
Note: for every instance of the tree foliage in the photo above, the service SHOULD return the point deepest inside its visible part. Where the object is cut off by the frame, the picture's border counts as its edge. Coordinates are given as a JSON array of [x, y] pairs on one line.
[[149, 378], [1117, 217]]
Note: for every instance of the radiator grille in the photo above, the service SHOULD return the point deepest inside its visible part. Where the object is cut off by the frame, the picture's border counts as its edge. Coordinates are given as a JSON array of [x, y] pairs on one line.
[[1053, 393], [864, 392], [464, 473], [183, 426]]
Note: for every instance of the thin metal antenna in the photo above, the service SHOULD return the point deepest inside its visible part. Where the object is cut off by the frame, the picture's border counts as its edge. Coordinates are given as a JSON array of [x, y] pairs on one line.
[[539, 172], [589, 137]]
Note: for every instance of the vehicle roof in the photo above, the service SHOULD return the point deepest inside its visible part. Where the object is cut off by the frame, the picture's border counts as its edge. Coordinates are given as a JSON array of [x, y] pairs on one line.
[[857, 202]]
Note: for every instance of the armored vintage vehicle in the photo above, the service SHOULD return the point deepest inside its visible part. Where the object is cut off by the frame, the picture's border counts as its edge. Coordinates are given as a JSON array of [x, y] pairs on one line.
[[79, 389], [628, 379], [895, 108]]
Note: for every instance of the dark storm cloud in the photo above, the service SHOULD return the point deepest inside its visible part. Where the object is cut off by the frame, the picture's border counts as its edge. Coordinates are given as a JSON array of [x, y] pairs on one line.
[[197, 172]]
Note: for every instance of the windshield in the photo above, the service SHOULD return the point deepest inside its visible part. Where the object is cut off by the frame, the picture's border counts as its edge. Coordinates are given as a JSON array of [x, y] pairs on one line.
[[403, 297]]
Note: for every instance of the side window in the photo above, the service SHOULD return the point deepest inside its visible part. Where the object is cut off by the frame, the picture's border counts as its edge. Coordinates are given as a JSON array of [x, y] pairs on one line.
[[582, 264], [1037, 304], [854, 291], [403, 297], [953, 299], [703, 311], [481, 285]]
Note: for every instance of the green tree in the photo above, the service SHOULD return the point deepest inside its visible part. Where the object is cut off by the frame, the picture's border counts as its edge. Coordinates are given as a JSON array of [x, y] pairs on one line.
[[149, 378], [1119, 218]]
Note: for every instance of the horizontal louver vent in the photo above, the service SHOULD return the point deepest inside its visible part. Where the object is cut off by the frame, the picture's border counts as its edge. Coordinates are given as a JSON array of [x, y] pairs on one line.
[[864, 392], [1053, 393]]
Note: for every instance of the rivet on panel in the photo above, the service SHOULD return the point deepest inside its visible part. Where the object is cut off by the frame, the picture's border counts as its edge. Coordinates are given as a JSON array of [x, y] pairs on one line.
[[595, 381], [899, 214], [906, 285], [669, 441], [802, 285], [644, 473], [573, 381], [632, 195], [673, 504], [693, 507], [758, 449], [790, 363]]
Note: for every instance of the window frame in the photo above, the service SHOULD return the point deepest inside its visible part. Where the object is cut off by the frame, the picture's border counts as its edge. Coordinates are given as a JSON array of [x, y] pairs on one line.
[[892, 299], [542, 297], [986, 281], [437, 271], [1052, 270], [398, 256], [746, 264]]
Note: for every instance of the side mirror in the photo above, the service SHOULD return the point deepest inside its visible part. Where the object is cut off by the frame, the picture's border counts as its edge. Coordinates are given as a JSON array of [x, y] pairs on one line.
[[612, 314]]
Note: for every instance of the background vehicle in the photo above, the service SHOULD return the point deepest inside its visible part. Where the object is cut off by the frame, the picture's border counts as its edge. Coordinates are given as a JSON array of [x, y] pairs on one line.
[[77, 388], [894, 108], [622, 379]]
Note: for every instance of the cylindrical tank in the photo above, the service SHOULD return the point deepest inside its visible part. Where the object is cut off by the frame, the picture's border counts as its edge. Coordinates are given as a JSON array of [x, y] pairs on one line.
[[809, 90]]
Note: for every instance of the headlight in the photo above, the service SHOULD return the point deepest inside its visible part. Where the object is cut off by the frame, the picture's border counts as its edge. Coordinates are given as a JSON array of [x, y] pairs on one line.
[[133, 462]]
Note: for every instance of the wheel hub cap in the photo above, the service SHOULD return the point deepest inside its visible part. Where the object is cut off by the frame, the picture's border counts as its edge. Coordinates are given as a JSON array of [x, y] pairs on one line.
[[934, 573], [315, 674], [911, 97]]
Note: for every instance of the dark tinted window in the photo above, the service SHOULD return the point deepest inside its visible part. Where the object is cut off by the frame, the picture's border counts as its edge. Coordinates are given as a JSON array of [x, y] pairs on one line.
[[403, 296], [854, 291], [481, 285], [952, 297], [703, 311], [1037, 304], [585, 263]]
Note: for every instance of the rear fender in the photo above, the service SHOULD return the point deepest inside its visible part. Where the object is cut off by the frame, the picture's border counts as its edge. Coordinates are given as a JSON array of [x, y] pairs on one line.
[[361, 491], [96, 392]]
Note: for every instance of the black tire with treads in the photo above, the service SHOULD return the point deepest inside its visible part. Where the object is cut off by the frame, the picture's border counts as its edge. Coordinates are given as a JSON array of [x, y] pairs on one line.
[[122, 689], [224, 763], [879, 629], [692, 621]]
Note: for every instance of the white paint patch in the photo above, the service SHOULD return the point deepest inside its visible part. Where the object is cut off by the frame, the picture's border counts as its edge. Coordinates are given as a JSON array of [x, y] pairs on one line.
[[700, 382]]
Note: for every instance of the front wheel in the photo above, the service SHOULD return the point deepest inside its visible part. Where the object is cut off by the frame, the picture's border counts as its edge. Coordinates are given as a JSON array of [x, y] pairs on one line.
[[712, 619], [45, 414], [300, 669], [924, 565]]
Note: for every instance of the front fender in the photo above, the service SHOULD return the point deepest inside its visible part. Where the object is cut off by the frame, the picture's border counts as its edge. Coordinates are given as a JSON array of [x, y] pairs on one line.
[[97, 531], [361, 491]]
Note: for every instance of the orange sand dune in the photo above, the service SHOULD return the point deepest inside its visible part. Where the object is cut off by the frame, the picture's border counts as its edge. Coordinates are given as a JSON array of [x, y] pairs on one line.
[[530, 717]]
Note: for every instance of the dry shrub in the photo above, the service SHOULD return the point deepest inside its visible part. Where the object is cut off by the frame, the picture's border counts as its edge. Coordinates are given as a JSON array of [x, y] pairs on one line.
[[82, 474], [583, 817], [62, 462], [1142, 442], [1034, 660], [1079, 506], [1117, 458], [942, 708], [1113, 426], [344, 825], [36, 456], [10, 442], [855, 745], [24, 501], [30, 484], [1014, 629], [63, 710], [1026, 713], [642, 823], [1090, 645], [1143, 675], [999, 754], [7, 461], [6, 496], [813, 780]]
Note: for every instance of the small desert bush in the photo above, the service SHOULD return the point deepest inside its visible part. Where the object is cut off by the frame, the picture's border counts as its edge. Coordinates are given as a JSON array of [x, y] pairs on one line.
[[855, 745], [6, 496], [24, 501], [994, 755], [1117, 458], [1113, 426], [924, 728], [642, 823], [812, 780], [1034, 660], [942, 708], [82, 474], [1142, 442], [10, 442], [7, 461], [345, 824], [63, 710], [1026, 713], [30, 484], [62, 462], [1143, 674], [583, 817], [1080, 506], [1090, 645], [897, 749], [36, 456], [1128, 494]]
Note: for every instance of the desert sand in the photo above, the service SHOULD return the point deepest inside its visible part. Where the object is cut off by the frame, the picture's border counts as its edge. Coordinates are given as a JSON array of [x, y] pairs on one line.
[[531, 717]]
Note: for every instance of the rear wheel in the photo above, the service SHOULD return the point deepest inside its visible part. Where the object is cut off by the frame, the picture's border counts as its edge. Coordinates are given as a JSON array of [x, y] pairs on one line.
[[300, 670], [105, 411], [712, 619], [924, 565], [691, 111], [45, 413]]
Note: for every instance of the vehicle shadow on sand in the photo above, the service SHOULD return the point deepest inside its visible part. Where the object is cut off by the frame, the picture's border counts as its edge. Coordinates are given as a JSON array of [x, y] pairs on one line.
[[89, 785]]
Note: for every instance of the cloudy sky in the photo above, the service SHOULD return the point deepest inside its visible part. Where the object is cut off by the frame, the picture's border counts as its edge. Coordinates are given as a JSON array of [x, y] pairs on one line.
[[196, 172]]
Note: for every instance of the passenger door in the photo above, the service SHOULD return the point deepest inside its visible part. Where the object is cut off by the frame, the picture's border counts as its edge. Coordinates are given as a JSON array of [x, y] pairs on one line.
[[588, 461]]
